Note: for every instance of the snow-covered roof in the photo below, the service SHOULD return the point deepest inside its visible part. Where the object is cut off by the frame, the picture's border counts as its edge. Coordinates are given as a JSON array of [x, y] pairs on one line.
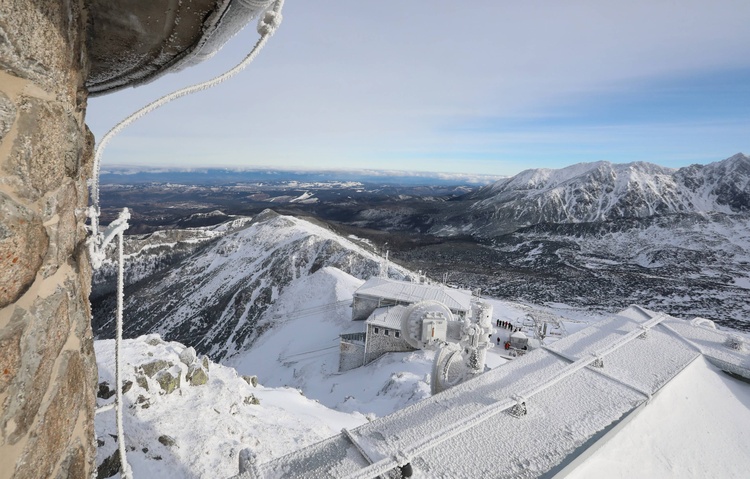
[[713, 344], [387, 317], [404, 291], [695, 427], [519, 335], [576, 393]]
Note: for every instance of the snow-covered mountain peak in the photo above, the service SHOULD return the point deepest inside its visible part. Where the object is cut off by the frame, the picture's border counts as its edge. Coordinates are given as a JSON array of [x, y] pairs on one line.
[[738, 158], [601, 171], [216, 298], [604, 191]]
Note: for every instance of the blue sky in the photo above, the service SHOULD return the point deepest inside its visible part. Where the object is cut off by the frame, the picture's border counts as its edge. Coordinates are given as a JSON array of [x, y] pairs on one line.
[[474, 87]]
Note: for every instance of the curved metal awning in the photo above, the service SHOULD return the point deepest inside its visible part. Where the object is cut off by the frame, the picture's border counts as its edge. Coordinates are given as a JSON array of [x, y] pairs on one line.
[[131, 42]]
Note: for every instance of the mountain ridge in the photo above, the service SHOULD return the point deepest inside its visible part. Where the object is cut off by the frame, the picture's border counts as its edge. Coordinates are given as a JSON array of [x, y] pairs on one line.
[[216, 297], [600, 191]]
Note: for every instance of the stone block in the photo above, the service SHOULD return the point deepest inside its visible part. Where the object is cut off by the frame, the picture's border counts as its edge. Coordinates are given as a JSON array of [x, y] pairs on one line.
[[7, 115], [196, 375], [109, 466], [168, 441], [188, 356], [57, 425], [47, 134], [105, 392], [154, 340], [150, 369], [142, 381], [23, 246], [74, 465], [59, 217], [143, 401], [42, 42], [169, 381], [47, 329], [10, 359]]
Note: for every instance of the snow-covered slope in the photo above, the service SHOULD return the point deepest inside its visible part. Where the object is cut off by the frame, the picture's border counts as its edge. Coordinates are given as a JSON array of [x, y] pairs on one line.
[[148, 254], [591, 192], [300, 348], [197, 431], [216, 299]]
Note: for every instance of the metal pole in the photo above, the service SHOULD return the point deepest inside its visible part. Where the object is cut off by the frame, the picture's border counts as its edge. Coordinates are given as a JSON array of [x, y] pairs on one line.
[[124, 466]]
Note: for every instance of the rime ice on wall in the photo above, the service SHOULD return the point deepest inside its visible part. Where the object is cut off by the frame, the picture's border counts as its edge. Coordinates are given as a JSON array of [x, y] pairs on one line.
[[47, 366]]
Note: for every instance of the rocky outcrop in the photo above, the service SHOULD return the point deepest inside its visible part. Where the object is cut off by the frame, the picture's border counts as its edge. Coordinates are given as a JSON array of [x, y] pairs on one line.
[[47, 366]]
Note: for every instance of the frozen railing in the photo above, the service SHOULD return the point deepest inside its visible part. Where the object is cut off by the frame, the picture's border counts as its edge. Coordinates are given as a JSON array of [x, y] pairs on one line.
[[354, 337]]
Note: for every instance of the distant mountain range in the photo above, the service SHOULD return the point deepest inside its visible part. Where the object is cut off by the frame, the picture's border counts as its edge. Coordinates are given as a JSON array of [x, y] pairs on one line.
[[596, 192], [225, 176]]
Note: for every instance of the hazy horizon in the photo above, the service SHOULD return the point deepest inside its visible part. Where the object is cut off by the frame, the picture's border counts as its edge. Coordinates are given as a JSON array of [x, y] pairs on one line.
[[490, 87]]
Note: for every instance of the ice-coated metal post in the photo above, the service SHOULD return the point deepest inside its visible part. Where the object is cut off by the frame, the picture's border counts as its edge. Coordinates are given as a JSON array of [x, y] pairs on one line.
[[124, 466]]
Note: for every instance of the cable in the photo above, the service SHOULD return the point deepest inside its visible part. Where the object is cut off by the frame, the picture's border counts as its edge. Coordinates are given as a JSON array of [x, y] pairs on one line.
[[308, 352], [267, 26]]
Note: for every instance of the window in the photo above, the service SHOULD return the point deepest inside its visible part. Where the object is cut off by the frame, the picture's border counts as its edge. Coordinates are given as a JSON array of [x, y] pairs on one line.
[[398, 334], [387, 333], [376, 330]]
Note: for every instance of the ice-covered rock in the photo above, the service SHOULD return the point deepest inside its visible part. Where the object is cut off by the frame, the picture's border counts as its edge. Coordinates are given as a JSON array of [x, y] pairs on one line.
[[206, 426], [196, 375], [169, 380], [188, 356], [251, 380]]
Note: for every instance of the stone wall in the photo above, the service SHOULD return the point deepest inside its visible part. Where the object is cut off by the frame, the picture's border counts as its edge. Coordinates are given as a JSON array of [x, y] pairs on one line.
[[351, 355], [384, 341], [47, 365]]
